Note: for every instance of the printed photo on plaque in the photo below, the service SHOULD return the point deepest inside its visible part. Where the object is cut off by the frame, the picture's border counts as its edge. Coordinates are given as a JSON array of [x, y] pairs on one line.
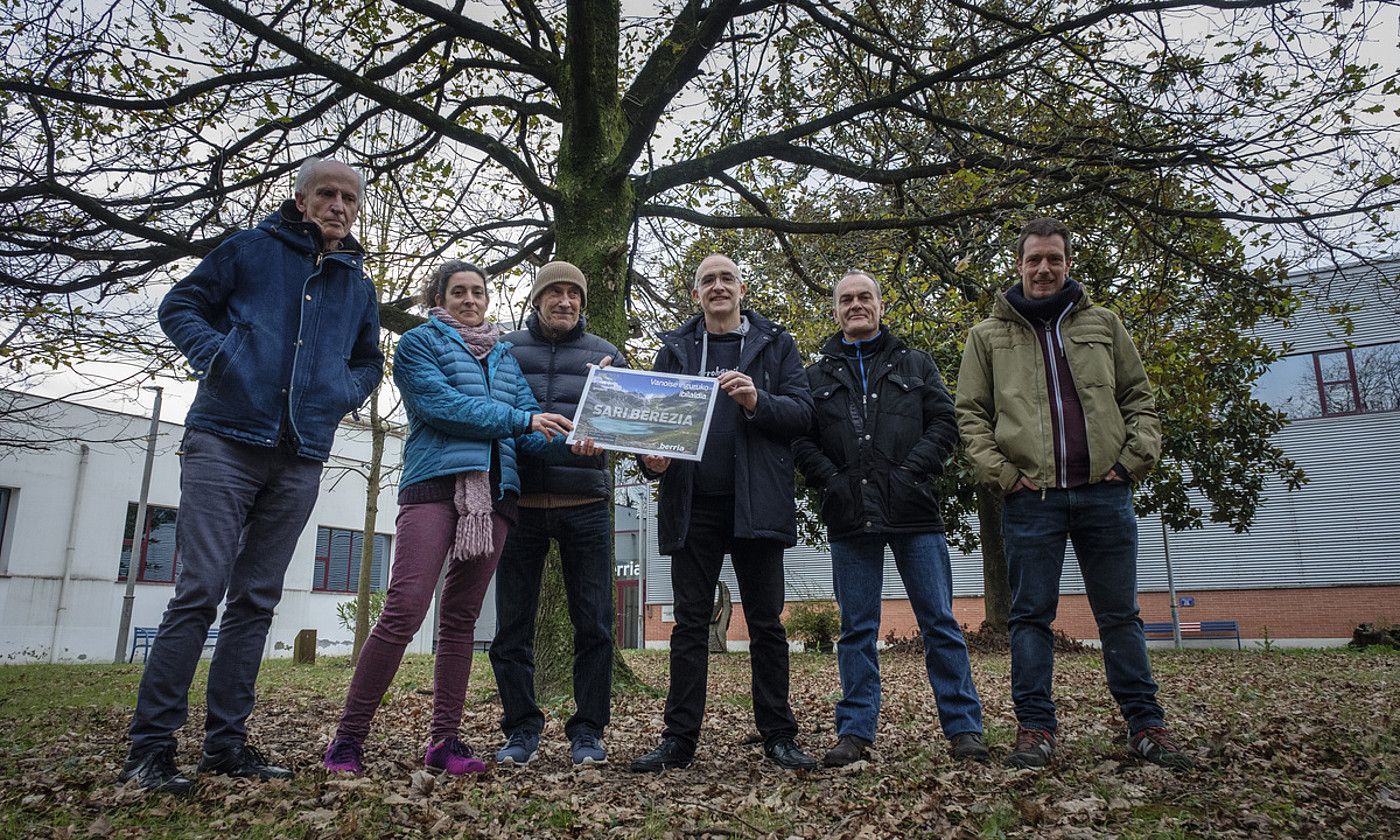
[[646, 413]]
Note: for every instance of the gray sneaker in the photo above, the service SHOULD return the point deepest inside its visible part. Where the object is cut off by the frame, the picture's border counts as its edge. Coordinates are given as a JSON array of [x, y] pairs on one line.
[[587, 749], [1156, 745], [521, 748]]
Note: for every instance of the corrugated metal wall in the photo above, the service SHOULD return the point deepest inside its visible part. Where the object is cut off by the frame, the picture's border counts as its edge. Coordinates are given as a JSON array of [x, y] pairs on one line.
[[1313, 328], [1341, 528]]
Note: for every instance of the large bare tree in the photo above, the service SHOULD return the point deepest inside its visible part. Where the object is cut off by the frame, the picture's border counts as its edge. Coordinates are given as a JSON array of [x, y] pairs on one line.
[[138, 134]]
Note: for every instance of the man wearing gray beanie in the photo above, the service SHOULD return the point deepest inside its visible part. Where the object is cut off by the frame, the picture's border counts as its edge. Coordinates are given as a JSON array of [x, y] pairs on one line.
[[566, 502]]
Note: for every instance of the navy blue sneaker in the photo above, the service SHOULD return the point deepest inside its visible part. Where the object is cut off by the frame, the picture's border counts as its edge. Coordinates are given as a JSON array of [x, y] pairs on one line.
[[587, 749], [521, 748]]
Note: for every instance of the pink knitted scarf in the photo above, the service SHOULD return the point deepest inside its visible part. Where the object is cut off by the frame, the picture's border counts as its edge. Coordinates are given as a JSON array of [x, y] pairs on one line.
[[472, 495]]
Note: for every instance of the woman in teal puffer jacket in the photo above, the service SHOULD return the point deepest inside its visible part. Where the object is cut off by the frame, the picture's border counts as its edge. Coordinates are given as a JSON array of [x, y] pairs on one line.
[[469, 407]]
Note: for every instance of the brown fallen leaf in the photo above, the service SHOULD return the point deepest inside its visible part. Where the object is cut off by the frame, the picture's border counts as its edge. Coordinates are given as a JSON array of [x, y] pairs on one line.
[[422, 782], [1388, 800], [100, 827]]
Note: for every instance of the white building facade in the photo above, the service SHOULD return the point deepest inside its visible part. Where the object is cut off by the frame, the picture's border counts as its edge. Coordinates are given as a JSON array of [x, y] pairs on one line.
[[68, 536]]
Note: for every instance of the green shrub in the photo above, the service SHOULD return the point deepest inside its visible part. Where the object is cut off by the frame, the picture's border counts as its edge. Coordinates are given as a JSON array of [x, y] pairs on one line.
[[817, 623], [345, 610]]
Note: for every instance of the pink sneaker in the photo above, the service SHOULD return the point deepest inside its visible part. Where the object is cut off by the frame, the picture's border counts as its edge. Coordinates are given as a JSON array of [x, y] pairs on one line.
[[344, 755], [453, 756]]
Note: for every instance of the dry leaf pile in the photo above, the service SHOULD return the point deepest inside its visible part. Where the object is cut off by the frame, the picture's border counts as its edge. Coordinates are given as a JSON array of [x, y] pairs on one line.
[[1300, 744]]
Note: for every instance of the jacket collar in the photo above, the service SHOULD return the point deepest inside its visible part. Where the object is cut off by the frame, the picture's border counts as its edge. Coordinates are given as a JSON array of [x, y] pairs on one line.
[[288, 225], [834, 345], [1003, 310], [839, 365], [684, 339]]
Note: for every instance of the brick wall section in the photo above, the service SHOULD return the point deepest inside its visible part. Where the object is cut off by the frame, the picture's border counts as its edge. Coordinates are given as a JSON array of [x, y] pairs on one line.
[[1321, 613]]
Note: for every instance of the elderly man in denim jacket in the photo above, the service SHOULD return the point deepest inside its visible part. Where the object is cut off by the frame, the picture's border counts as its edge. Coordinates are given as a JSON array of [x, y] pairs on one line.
[[281, 328]]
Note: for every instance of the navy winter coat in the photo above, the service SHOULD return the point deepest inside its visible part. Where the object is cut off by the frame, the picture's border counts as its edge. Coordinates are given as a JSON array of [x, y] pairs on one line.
[[272, 326], [556, 371], [452, 418], [763, 473]]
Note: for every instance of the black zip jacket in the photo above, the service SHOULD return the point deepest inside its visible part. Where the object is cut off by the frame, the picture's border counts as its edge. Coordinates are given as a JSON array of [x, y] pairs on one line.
[[874, 452], [557, 371], [763, 476]]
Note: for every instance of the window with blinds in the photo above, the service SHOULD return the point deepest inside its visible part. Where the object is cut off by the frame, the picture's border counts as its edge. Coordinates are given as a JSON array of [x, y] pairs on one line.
[[338, 552]]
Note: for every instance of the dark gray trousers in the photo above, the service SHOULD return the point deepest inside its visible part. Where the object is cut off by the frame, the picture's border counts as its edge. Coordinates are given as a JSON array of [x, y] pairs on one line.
[[242, 510]]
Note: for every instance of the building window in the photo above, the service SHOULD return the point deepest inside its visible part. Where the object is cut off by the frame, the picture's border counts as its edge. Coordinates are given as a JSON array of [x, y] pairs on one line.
[[1377, 370], [1355, 380], [7, 495], [159, 560], [338, 552]]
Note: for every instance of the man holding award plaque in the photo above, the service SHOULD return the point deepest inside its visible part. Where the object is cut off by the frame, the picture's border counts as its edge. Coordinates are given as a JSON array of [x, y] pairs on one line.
[[737, 500]]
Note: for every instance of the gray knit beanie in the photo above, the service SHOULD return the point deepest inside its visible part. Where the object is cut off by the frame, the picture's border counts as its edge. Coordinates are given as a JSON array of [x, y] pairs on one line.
[[559, 272]]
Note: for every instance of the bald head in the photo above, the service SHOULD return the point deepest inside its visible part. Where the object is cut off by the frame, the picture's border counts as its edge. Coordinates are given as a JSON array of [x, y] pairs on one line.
[[720, 292], [856, 306], [312, 167], [714, 264]]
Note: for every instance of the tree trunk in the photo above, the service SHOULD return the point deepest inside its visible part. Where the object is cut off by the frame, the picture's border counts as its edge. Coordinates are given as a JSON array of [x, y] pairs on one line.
[[362, 591], [591, 225], [719, 619], [554, 635], [996, 585]]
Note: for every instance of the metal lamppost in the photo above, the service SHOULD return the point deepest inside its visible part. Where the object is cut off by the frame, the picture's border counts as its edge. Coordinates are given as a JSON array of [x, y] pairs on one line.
[[139, 530], [1171, 586]]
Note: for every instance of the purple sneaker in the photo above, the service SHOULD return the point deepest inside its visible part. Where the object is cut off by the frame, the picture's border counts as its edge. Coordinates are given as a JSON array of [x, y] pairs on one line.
[[344, 755], [453, 756]]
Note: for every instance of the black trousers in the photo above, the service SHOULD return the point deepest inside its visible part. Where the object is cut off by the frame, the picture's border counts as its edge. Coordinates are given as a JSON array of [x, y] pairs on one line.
[[758, 565]]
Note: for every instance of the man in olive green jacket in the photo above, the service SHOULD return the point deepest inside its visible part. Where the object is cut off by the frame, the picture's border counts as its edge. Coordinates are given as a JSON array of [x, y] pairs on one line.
[[1056, 411]]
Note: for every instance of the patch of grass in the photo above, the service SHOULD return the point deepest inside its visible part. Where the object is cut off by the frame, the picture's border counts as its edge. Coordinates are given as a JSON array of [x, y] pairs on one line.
[[1246, 694], [737, 699], [998, 734], [997, 821], [1159, 822], [764, 820], [1092, 744]]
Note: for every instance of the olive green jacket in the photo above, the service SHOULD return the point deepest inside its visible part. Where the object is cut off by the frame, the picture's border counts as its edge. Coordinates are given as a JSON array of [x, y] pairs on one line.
[[1003, 403]]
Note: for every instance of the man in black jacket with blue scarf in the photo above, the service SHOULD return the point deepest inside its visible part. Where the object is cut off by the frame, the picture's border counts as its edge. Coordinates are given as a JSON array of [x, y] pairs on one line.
[[884, 430], [566, 502], [738, 500]]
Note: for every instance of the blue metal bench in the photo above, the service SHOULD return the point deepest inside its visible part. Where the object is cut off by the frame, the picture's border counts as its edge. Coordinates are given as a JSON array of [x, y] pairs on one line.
[[143, 636], [1223, 629]]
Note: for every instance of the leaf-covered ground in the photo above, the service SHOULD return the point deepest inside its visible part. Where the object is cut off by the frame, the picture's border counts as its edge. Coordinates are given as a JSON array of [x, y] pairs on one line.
[[1288, 744]]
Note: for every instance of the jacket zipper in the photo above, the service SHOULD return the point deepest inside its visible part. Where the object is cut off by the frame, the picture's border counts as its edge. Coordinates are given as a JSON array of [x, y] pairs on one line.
[[1050, 353], [296, 354]]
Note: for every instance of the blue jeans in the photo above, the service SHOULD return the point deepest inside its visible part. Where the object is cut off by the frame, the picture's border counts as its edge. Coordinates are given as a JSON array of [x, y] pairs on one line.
[[857, 571], [242, 509], [584, 534], [1099, 519]]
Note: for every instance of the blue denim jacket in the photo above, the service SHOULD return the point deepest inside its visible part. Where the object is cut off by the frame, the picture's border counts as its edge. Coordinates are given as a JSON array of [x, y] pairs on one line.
[[274, 328]]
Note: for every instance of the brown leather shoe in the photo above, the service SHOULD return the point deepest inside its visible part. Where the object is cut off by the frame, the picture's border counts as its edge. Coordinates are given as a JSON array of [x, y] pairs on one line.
[[848, 750], [968, 746]]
